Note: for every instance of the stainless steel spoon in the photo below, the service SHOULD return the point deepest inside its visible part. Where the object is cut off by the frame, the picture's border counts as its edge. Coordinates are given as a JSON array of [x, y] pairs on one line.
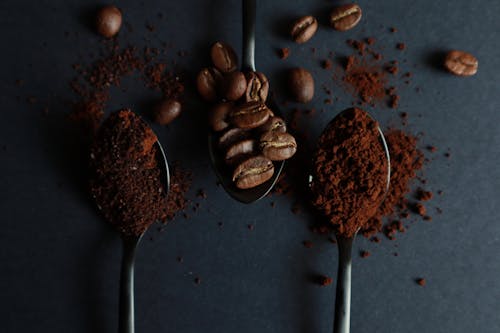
[[216, 158], [342, 317]]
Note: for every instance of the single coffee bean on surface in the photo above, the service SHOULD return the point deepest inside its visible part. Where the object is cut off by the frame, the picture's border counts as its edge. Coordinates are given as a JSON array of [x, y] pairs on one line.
[[249, 115], [109, 21], [301, 85], [232, 136], [234, 85], [218, 116], [240, 151], [224, 57], [166, 111], [304, 28], [278, 146], [345, 17], [461, 63], [253, 172], [207, 83], [257, 87], [273, 124]]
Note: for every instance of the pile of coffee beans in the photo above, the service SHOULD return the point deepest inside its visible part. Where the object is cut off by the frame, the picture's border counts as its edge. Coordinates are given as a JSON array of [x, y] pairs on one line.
[[251, 136]]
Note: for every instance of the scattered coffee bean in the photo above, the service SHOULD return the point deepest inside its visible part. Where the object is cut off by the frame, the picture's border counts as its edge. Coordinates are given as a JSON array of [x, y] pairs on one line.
[[274, 124], [461, 63], [109, 21], [235, 85], [278, 146], [224, 57], [207, 81], [249, 115], [345, 17], [253, 172], [257, 88], [301, 84], [232, 136], [240, 151], [304, 28], [218, 116], [166, 111]]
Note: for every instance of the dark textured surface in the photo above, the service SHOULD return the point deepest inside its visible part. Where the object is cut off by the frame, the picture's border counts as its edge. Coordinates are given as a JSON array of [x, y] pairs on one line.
[[60, 261]]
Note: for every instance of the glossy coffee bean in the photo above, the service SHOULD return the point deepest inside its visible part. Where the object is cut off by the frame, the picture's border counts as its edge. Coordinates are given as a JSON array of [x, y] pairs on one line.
[[166, 111], [304, 28], [249, 115], [234, 86], [278, 146], [253, 172], [273, 124], [207, 83], [109, 21], [461, 63], [345, 17], [301, 85], [257, 87], [240, 151], [224, 57], [231, 136], [218, 116]]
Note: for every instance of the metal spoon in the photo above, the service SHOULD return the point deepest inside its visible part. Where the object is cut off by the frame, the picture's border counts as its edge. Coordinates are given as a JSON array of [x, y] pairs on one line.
[[343, 293], [219, 166], [130, 243]]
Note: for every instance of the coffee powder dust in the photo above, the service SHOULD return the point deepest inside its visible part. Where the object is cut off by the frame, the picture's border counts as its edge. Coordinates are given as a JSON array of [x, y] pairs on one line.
[[125, 178], [350, 171]]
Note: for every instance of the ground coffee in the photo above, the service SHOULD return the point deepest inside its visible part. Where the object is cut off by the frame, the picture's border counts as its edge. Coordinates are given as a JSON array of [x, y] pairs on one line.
[[350, 171], [125, 179]]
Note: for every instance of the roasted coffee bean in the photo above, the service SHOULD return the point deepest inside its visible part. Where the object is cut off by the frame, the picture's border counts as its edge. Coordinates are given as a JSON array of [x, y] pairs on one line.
[[234, 86], [218, 116], [461, 63], [109, 21], [232, 136], [224, 57], [278, 146], [240, 151], [253, 172], [345, 17], [257, 87], [207, 82], [249, 115], [301, 84], [166, 111], [273, 124], [304, 28]]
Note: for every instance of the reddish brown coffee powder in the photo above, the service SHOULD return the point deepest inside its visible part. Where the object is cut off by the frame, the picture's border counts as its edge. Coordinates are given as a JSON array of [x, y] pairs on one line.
[[350, 171], [125, 178]]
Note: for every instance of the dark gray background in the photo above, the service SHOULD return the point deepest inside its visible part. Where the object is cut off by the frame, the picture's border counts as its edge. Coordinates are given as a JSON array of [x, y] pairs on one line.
[[60, 261]]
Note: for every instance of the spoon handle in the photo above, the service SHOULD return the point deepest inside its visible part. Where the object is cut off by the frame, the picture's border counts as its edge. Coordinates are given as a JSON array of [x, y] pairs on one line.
[[343, 293], [248, 62], [126, 318]]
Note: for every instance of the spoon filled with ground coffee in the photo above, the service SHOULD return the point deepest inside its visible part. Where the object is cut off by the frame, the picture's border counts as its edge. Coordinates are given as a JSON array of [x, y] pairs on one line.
[[350, 178], [129, 180]]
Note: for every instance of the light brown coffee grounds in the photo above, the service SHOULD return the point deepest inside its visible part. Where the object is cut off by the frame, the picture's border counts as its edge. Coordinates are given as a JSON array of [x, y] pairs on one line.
[[365, 80], [350, 171], [421, 282], [125, 179]]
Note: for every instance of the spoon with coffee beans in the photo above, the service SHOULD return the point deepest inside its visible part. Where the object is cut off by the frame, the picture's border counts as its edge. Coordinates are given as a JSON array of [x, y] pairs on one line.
[[248, 143], [349, 181], [129, 181]]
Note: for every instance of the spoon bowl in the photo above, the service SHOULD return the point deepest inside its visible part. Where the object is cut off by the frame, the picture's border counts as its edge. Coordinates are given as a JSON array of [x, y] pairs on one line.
[[222, 171]]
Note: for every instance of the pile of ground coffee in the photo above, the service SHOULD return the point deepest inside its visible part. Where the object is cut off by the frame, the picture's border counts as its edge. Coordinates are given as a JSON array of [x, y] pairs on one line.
[[350, 171], [125, 179]]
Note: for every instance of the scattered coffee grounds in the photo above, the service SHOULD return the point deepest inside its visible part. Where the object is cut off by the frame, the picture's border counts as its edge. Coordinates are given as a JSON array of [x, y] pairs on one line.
[[284, 53], [125, 179], [367, 81], [364, 254], [406, 160], [421, 282], [180, 182], [350, 171], [325, 281]]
